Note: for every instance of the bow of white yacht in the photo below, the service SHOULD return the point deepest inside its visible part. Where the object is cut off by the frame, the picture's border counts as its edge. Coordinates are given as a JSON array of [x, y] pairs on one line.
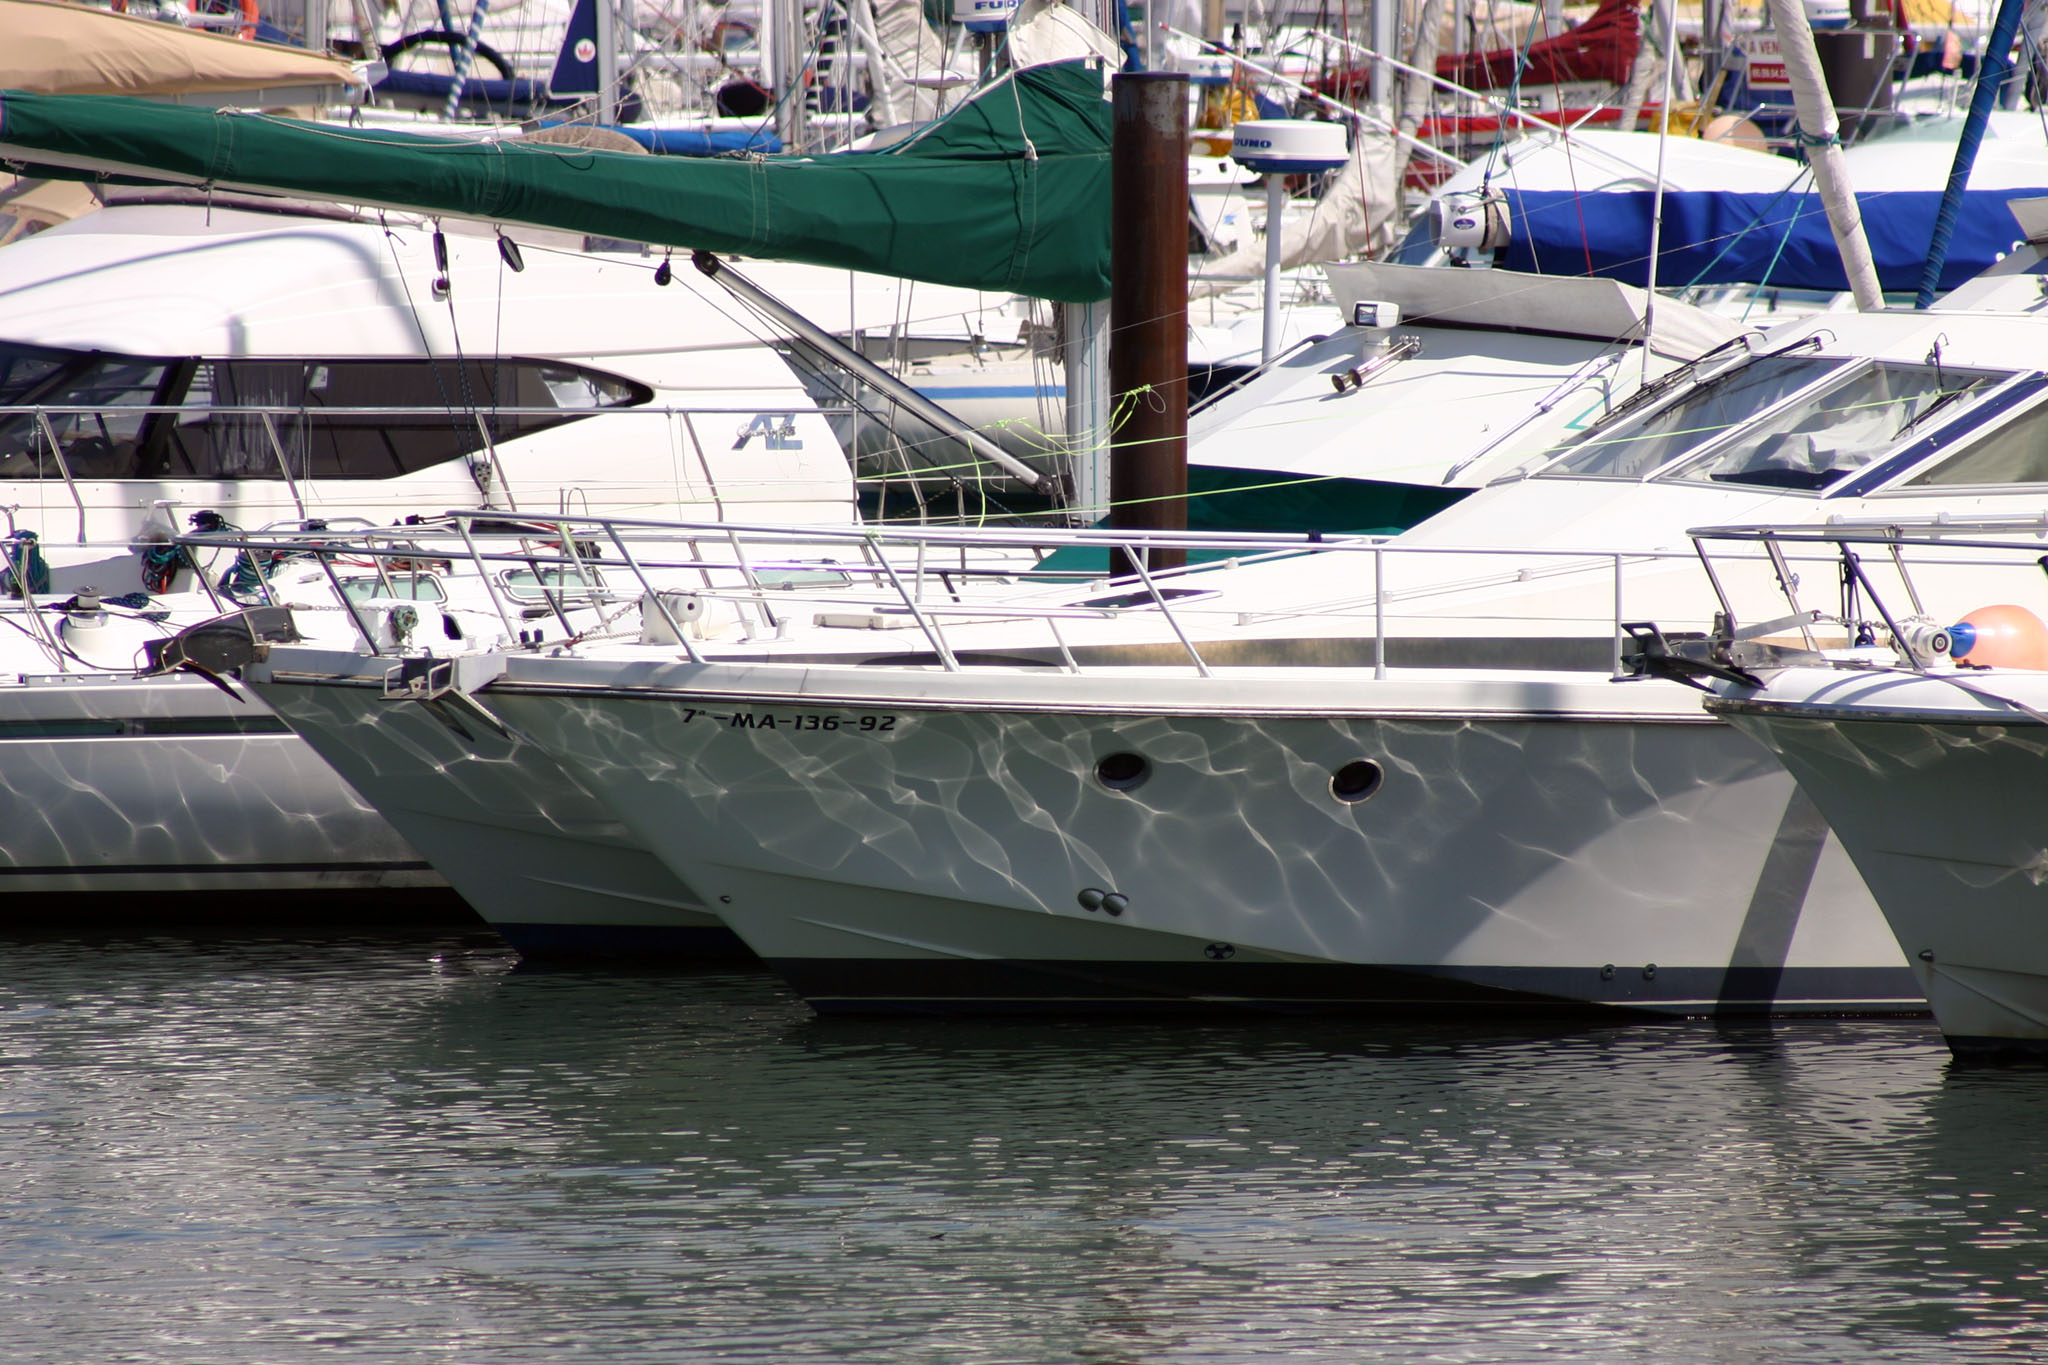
[[900, 832], [1912, 709]]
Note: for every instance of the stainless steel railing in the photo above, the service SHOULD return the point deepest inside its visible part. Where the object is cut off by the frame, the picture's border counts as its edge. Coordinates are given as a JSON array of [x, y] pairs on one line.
[[1891, 578], [935, 580]]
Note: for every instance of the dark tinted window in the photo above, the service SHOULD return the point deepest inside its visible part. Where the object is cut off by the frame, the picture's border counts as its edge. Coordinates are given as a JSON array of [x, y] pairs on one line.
[[24, 369], [438, 401], [441, 402], [1832, 433], [97, 444]]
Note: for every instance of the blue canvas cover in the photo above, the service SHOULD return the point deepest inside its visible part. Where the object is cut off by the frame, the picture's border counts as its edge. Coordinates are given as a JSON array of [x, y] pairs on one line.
[[1777, 239]]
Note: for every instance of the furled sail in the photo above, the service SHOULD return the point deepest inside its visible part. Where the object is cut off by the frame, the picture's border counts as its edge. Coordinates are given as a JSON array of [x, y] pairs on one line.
[[914, 66], [1009, 191]]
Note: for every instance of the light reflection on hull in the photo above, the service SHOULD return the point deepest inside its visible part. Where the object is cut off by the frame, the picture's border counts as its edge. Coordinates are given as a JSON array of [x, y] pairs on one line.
[[535, 854], [1657, 863], [124, 789], [1948, 818]]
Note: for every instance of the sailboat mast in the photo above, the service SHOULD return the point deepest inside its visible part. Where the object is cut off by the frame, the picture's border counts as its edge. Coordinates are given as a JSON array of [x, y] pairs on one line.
[[1992, 69], [1818, 130], [1385, 13], [786, 56], [1671, 58], [607, 64]]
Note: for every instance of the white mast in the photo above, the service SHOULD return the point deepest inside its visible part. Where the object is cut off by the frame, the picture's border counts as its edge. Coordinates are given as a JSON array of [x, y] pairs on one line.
[[1385, 33], [785, 57], [607, 64], [1818, 128], [1671, 59]]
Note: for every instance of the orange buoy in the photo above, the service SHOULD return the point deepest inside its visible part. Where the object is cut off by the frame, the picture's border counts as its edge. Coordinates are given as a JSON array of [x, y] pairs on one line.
[[2001, 636]]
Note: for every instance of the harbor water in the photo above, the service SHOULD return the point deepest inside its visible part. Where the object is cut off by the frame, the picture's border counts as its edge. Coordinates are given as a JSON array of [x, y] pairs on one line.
[[404, 1148]]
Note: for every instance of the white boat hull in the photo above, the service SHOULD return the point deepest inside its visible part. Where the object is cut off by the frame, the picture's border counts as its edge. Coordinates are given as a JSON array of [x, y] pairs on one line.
[[138, 791], [1559, 843], [538, 857], [1939, 799]]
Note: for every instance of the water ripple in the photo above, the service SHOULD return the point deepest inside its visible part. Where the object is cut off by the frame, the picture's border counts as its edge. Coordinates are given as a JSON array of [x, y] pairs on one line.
[[405, 1151]]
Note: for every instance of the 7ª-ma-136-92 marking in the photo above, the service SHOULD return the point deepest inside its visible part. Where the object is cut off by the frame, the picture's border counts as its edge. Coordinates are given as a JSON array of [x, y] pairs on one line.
[[802, 720]]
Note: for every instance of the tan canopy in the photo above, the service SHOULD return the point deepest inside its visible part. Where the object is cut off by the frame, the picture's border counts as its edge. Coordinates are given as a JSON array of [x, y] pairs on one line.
[[57, 48]]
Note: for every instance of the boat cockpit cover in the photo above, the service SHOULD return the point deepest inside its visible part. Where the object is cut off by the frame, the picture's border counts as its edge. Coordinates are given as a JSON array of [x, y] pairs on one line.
[[1514, 301], [1010, 191], [61, 48], [1776, 239]]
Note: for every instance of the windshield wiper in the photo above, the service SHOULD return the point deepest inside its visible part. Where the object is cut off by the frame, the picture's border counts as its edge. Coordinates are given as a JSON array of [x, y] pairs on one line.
[[1936, 406], [1665, 382]]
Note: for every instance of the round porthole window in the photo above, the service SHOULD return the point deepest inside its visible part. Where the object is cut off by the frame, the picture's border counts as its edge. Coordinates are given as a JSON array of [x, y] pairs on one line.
[[1122, 772], [1358, 780]]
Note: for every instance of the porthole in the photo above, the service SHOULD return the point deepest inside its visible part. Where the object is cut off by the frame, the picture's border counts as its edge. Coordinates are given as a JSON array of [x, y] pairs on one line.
[[1122, 772], [1358, 780]]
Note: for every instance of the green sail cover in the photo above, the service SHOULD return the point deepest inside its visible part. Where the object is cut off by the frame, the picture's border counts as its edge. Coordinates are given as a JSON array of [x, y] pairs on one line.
[[1008, 192]]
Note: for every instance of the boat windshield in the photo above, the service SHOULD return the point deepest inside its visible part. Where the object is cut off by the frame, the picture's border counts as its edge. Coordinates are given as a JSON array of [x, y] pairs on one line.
[[1823, 437], [1639, 447], [2013, 453]]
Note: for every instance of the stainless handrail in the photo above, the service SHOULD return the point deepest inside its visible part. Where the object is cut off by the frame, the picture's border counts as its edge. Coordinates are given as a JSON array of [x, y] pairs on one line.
[[660, 605], [1950, 543], [647, 548], [63, 467], [284, 464]]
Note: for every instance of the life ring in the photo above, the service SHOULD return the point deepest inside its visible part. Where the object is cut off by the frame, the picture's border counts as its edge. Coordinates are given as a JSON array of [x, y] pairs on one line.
[[250, 16]]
